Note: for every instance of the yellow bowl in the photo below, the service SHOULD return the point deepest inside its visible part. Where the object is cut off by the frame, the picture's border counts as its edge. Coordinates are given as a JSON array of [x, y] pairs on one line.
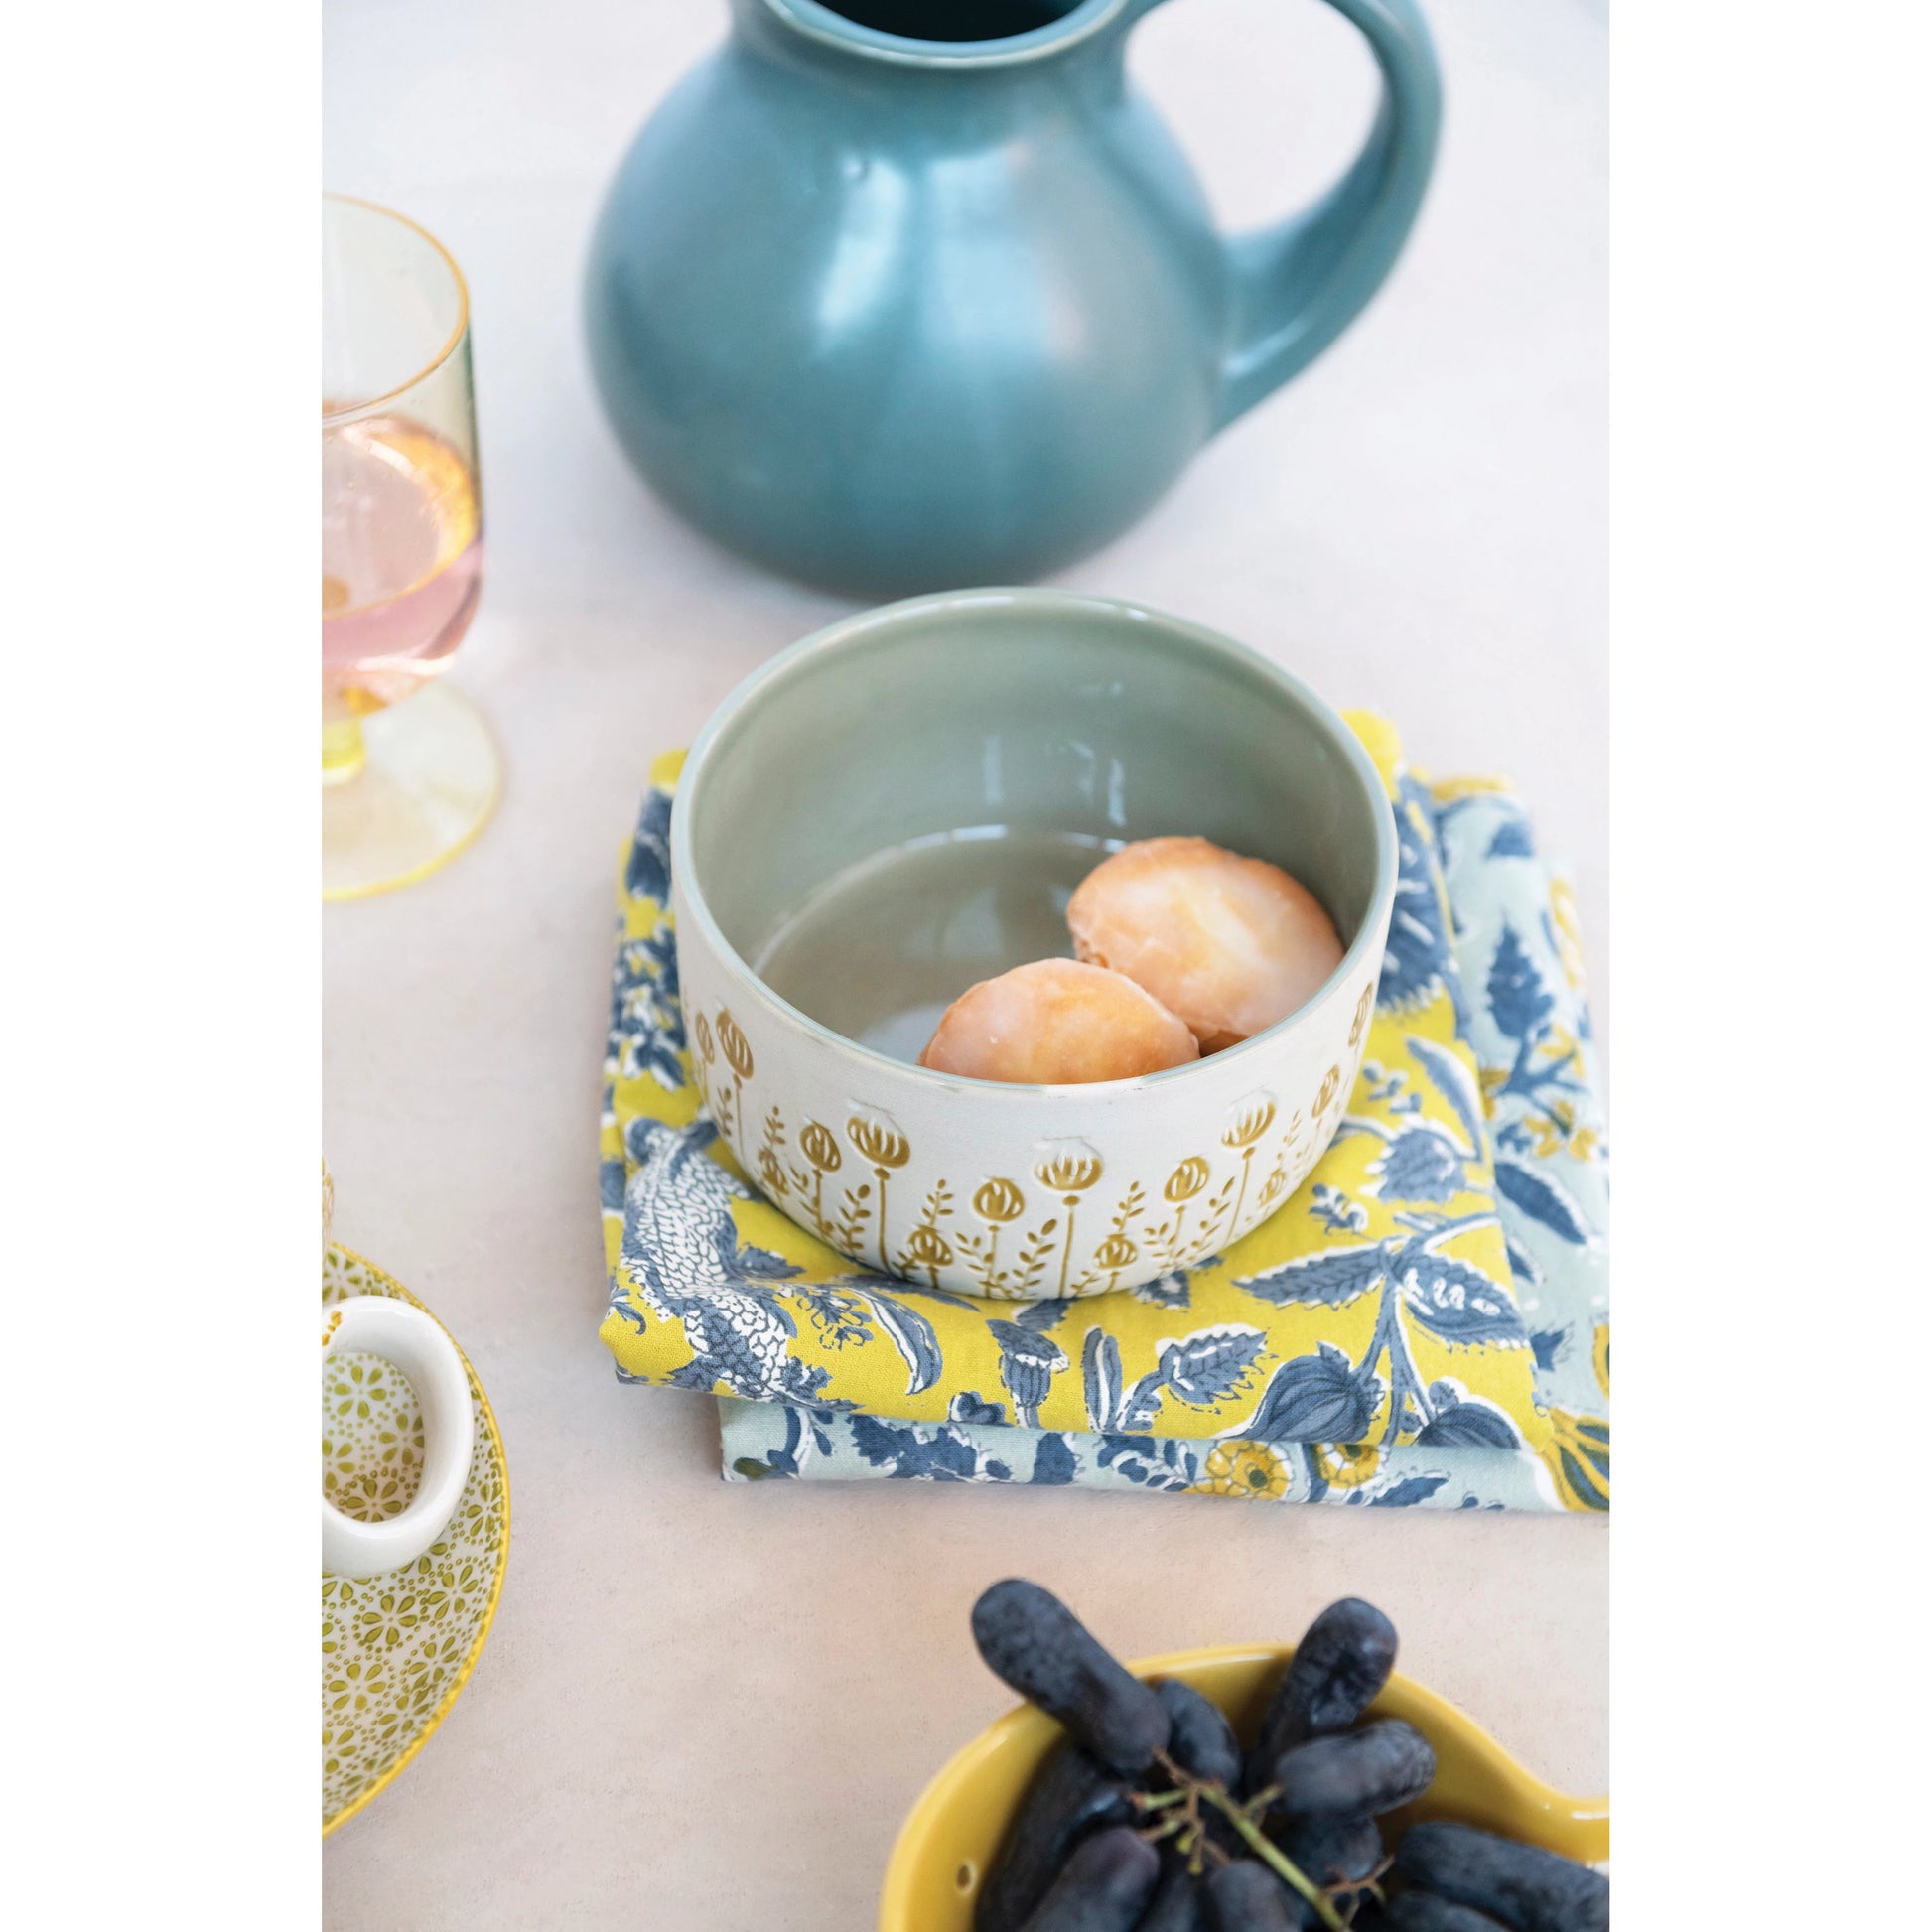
[[947, 1845]]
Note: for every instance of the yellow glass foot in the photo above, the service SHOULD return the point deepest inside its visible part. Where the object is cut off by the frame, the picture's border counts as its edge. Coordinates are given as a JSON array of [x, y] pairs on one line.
[[404, 791]]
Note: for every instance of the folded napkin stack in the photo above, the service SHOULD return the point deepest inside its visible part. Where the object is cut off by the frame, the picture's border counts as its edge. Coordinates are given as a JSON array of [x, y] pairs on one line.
[[1425, 1322]]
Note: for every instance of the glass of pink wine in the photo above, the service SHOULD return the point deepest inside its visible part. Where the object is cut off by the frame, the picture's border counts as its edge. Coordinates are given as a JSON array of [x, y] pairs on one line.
[[409, 769]]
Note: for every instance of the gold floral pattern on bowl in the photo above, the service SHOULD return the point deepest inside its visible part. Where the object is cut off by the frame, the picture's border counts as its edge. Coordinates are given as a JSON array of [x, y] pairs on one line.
[[850, 1195]]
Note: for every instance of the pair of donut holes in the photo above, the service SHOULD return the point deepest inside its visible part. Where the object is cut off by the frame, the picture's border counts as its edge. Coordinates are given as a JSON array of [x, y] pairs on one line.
[[1183, 949]]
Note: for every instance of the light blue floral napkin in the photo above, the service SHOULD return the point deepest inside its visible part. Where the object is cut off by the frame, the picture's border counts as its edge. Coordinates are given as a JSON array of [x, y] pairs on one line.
[[1527, 1020]]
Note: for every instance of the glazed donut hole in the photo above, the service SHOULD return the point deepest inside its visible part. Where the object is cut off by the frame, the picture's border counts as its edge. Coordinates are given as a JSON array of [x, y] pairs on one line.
[[1056, 1022]]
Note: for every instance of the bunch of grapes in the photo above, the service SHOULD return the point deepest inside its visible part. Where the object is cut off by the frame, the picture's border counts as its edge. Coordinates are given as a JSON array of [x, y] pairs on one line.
[[1148, 1818]]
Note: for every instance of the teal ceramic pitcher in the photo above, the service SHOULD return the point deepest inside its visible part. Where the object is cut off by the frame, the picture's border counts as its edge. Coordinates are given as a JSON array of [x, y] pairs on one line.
[[901, 295]]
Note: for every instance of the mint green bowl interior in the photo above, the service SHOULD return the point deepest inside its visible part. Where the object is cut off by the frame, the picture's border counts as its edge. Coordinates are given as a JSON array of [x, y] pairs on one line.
[[1010, 713]]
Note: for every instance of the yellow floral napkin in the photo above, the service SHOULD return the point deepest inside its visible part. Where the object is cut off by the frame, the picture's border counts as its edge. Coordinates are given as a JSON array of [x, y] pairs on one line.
[[1376, 1305]]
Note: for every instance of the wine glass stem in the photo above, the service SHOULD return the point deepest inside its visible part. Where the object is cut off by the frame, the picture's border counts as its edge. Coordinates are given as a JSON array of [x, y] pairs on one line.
[[342, 750]]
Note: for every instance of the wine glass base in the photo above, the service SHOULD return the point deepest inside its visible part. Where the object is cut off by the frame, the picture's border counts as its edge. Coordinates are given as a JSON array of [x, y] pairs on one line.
[[427, 783]]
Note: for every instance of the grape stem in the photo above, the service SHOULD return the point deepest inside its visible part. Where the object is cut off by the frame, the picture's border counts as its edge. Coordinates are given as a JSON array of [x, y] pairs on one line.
[[1183, 1821], [1189, 1792], [1154, 1800], [1272, 1856]]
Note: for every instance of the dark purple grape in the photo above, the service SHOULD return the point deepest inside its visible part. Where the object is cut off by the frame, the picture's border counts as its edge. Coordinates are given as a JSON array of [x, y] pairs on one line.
[[1200, 1739], [1031, 1641], [1102, 1888], [1248, 1897], [1337, 1671], [1332, 1851], [1420, 1911], [1520, 1886], [1355, 1775], [1178, 1904], [1069, 1797]]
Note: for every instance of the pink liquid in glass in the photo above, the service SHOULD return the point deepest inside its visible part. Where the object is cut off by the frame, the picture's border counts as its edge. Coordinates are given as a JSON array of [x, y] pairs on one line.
[[401, 559]]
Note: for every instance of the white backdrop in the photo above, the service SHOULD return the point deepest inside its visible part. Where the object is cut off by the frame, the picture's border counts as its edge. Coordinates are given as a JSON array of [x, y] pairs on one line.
[[706, 1708]]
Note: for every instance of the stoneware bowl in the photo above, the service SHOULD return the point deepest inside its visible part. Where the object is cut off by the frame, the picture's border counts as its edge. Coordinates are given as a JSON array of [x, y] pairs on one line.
[[899, 807], [955, 1830]]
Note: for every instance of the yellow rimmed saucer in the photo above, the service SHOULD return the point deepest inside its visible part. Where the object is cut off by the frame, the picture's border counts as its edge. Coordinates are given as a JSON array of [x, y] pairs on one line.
[[397, 1649], [955, 1830]]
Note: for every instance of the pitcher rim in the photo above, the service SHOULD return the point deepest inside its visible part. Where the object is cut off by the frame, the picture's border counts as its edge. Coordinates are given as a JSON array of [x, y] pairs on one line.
[[831, 28]]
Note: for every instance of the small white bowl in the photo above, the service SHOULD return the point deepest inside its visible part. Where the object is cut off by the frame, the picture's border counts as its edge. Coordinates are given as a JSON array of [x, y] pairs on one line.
[[1028, 714]]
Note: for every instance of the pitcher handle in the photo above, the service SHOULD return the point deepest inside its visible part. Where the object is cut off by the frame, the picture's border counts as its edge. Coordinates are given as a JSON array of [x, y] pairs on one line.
[[1296, 286]]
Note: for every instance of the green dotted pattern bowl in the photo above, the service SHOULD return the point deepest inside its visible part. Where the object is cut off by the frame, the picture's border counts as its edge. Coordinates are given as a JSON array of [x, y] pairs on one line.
[[397, 1649]]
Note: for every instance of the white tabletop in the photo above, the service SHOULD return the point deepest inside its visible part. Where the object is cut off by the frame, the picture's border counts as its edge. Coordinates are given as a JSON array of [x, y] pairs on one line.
[[706, 1708]]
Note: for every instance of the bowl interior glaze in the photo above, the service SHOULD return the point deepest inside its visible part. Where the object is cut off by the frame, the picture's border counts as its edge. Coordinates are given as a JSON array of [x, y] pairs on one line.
[[1021, 721], [955, 1830]]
